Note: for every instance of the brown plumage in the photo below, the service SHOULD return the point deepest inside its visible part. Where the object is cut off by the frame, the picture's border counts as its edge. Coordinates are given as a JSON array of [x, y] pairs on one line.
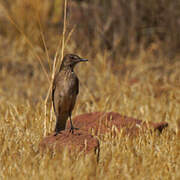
[[65, 90]]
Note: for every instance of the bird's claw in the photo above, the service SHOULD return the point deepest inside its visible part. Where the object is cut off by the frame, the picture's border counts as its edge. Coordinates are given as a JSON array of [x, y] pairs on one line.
[[72, 129], [56, 133]]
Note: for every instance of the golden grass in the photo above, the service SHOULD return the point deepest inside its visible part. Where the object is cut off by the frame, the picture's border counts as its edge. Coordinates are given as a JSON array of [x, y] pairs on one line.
[[104, 86]]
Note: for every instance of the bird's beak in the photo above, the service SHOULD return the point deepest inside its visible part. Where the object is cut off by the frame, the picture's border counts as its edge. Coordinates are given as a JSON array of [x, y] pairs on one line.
[[83, 60]]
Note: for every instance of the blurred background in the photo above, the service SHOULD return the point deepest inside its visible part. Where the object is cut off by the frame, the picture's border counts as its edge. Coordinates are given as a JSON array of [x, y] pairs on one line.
[[119, 27]]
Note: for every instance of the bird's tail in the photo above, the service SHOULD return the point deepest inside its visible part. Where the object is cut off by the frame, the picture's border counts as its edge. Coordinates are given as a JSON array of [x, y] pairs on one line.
[[61, 123]]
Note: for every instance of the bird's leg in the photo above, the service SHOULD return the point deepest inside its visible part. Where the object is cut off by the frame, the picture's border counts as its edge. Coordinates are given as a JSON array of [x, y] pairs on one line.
[[72, 127]]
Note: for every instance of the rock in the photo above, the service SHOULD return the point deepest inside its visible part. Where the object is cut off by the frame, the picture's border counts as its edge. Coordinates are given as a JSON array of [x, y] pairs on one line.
[[103, 122], [79, 141]]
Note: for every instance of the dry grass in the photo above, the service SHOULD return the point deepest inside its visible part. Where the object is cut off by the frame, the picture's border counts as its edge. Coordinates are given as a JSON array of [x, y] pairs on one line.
[[145, 87]]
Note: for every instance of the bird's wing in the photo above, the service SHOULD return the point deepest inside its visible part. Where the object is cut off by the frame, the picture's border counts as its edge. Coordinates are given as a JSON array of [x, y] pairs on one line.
[[77, 86]]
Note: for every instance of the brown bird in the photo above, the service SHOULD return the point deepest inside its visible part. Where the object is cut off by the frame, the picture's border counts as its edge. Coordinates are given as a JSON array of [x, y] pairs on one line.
[[65, 90]]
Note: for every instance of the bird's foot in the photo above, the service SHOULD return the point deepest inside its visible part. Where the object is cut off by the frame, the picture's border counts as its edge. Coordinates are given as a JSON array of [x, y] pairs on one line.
[[57, 132], [72, 129]]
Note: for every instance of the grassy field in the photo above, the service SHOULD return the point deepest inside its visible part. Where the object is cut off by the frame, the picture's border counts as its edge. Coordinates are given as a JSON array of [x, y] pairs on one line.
[[144, 86]]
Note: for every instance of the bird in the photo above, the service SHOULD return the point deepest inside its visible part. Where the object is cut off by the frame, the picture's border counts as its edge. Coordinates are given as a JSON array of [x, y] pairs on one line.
[[65, 89]]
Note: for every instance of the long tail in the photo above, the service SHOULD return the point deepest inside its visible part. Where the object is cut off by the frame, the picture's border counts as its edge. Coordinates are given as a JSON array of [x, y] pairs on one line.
[[61, 123]]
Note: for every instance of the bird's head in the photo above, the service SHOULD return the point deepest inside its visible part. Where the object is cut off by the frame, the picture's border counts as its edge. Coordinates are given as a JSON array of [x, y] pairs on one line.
[[70, 60]]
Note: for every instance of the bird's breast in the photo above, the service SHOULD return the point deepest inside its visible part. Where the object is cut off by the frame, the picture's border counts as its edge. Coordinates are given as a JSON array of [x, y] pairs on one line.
[[66, 89], [68, 96]]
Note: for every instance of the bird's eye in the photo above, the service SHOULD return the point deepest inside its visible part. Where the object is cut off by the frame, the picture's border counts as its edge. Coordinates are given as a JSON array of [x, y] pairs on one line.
[[74, 57]]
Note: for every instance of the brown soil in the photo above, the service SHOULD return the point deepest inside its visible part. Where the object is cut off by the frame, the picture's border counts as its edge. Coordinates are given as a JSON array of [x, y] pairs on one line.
[[100, 123]]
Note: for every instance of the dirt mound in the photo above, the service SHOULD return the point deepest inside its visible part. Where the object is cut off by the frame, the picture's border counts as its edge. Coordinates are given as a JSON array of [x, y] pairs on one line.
[[103, 122], [79, 141]]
